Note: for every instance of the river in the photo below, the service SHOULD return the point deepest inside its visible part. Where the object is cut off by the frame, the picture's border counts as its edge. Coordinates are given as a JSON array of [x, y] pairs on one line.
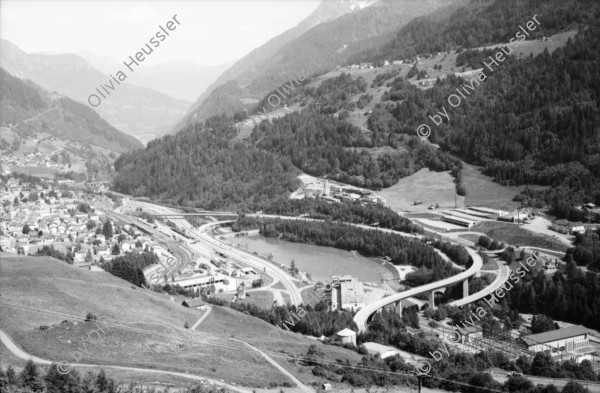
[[320, 262]]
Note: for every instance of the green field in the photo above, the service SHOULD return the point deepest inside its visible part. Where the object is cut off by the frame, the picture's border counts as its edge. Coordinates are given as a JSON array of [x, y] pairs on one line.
[[141, 328], [262, 299], [513, 234], [470, 237], [482, 191], [425, 186]]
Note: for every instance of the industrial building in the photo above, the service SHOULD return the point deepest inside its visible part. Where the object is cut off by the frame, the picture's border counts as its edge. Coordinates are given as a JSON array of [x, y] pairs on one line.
[[346, 293], [568, 343], [463, 222], [382, 351]]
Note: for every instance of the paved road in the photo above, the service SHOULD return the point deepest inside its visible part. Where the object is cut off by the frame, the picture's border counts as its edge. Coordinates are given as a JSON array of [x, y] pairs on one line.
[[179, 250], [249, 259], [364, 313], [202, 318], [295, 293], [17, 351], [302, 386], [497, 283]]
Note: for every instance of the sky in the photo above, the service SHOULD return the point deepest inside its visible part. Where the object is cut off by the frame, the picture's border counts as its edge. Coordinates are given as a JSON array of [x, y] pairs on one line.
[[210, 32]]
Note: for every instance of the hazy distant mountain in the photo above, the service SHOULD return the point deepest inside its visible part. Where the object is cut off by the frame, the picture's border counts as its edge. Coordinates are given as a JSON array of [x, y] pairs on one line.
[[179, 78], [27, 109], [335, 31], [141, 112]]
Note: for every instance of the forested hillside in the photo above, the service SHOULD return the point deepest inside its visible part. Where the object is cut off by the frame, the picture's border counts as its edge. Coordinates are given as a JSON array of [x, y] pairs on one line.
[[202, 167], [478, 23], [531, 121], [324, 146], [571, 296]]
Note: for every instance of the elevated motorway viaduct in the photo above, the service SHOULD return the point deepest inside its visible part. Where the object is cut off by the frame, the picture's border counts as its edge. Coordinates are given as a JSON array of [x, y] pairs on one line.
[[365, 313]]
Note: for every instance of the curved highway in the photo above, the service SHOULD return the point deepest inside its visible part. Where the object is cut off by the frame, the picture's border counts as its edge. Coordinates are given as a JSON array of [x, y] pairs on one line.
[[364, 313], [249, 259], [498, 282]]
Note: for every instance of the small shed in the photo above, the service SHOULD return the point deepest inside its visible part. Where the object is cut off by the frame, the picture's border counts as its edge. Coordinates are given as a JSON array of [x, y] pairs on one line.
[[196, 303], [326, 386], [347, 336]]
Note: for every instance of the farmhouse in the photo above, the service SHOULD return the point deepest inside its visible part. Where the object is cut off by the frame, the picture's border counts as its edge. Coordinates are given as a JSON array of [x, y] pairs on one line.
[[196, 303]]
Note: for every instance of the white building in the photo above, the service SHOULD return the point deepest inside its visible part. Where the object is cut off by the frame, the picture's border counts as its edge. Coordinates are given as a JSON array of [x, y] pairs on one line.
[[220, 281], [347, 293], [574, 340], [383, 351], [347, 336]]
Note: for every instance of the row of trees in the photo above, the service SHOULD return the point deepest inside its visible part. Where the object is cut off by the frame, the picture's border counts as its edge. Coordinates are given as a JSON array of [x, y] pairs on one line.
[[130, 267], [315, 320], [346, 211], [32, 379]]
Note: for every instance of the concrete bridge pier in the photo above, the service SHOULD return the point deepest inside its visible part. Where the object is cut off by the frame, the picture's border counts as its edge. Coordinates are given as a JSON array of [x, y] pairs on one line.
[[432, 297], [466, 288], [399, 307]]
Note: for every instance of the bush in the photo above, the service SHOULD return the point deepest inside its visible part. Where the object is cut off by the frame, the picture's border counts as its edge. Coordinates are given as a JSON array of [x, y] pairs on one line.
[[91, 317], [484, 241]]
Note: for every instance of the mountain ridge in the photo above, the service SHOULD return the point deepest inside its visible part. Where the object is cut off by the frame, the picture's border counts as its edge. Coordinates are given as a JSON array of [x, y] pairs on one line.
[[138, 111]]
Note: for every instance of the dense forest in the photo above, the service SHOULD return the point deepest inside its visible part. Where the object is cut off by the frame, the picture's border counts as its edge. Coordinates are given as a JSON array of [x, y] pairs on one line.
[[203, 167], [372, 243], [586, 251], [325, 146], [130, 267], [571, 296], [353, 212]]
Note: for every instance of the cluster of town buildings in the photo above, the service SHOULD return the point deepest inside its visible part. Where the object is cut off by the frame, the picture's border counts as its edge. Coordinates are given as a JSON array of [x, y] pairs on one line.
[[34, 216], [35, 159]]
